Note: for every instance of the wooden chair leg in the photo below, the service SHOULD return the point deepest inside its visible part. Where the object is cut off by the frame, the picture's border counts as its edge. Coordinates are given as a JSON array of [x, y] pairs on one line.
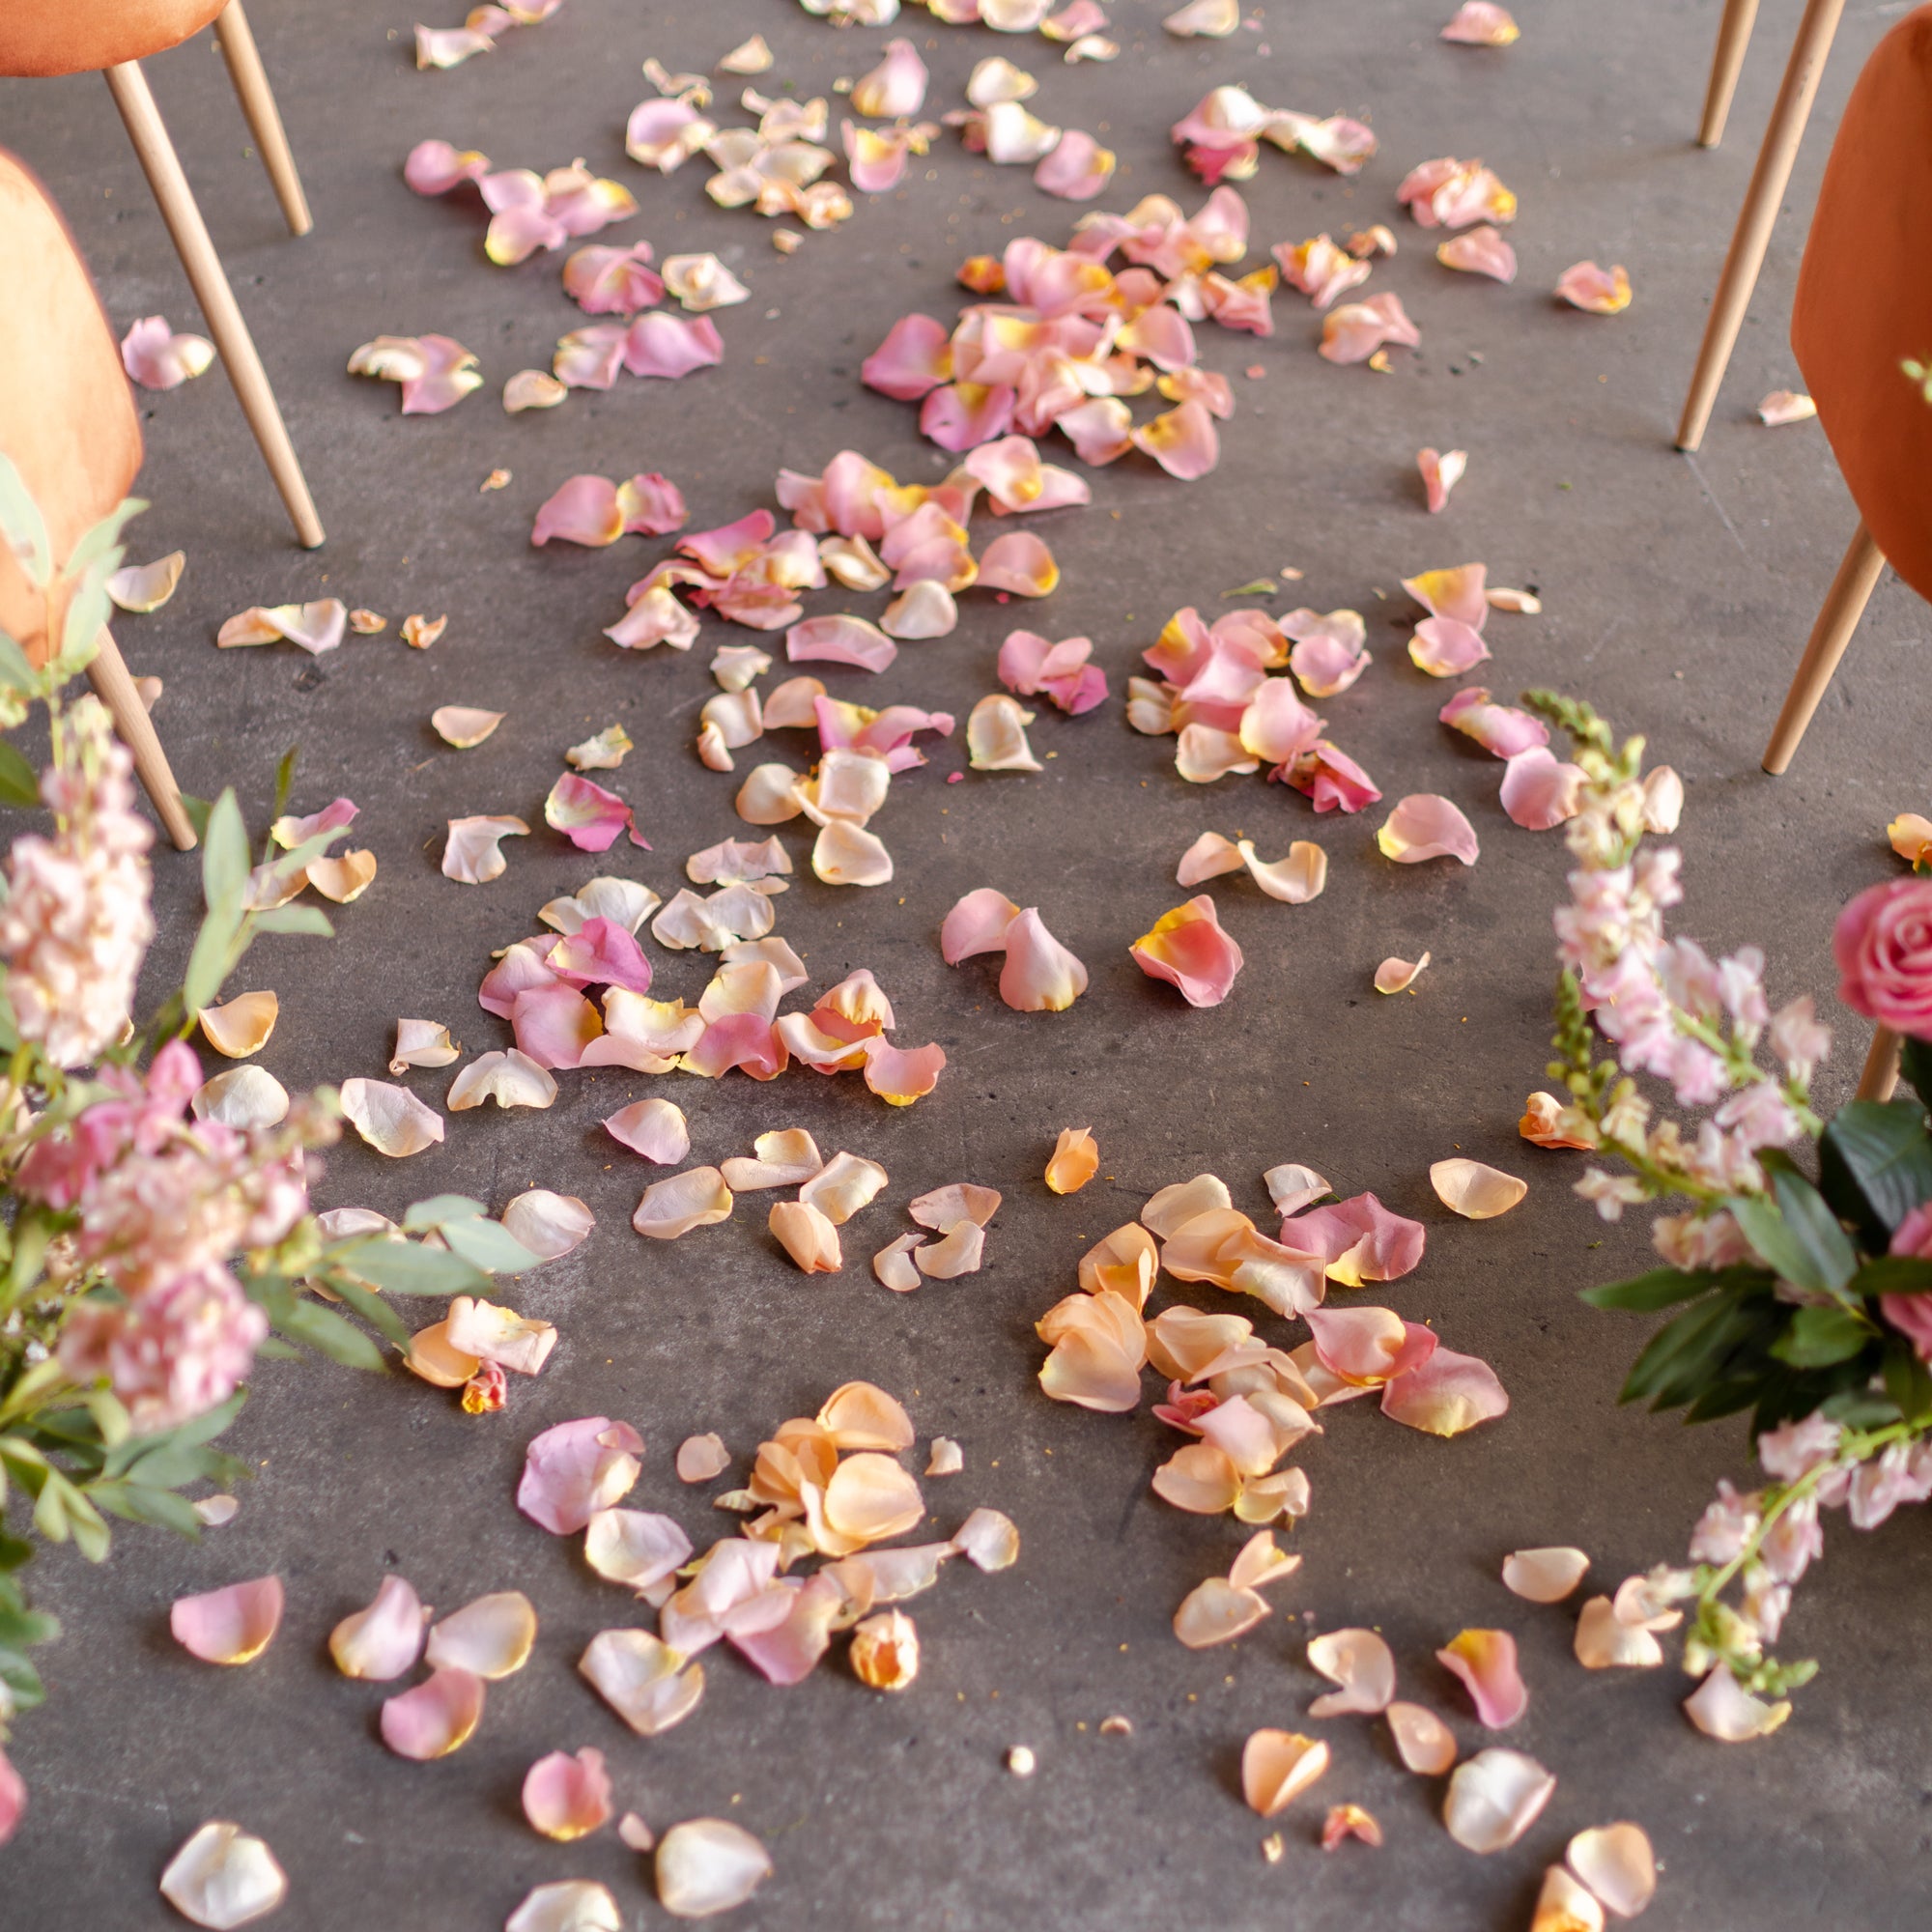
[[112, 685], [1734, 34], [1759, 213], [163, 169], [265, 119], [1880, 1078], [1838, 617]]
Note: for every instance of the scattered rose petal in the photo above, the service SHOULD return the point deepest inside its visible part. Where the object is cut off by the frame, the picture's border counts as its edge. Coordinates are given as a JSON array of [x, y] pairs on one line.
[[390, 1118], [649, 1685], [1446, 1394], [1480, 23], [1479, 251], [1076, 1161], [1495, 1798], [1617, 1863], [1216, 18], [894, 1266], [1598, 291], [1544, 1576], [1183, 440], [1277, 1767], [472, 855], [491, 1637], [1019, 562], [1187, 948], [702, 1458], [1485, 1660], [232, 1624], [1539, 791], [158, 359], [996, 738], [1357, 330], [1425, 1743], [654, 1128], [576, 1469], [567, 1905], [316, 627], [1477, 1193], [1563, 1904], [806, 1235], [1361, 1663], [382, 1641], [147, 586], [213, 1512], [1294, 880], [988, 1541], [697, 1198], [1781, 405], [567, 1797], [706, 1865], [437, 1717], [700, 283], [1664, 800], [751, 56], [1397, 976], [1723, 1709], [512, 1078], [1440, 474], [1426, 826], [1445, 647], [223, 1877], [1603, 1641], [944, 1457]]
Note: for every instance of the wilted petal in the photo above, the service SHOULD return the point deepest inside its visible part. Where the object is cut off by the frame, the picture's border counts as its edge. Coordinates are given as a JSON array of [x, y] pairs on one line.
[[576, 1469], [806, 1233], [988, 1541], [702, 283], [147, 586], [649, 1685], [435, 167], [1427, 826], [1217, 1611], [232, 1624], [1479, 251], [1076, 1161], [222, 1876], [1477, 1193], [316, 627], [589, 815], [996, 737], [697, 1198], [1397, 976], [1426, 1743], [434, 1719], [654, 1128], [1539, 791], [158, 359], [1041, 975], [1485, 1660], [1544, 1576], [1781, 405], [390, 1118], [1277, 1767], [706, 1865], [1361, 1663], [1295, 879], [1598, 291], [1187, 948], [472, 853]]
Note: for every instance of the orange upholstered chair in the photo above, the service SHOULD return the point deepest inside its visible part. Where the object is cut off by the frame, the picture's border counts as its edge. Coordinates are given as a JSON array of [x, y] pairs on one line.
[[1864, 308], [67, 423], [50, 37]]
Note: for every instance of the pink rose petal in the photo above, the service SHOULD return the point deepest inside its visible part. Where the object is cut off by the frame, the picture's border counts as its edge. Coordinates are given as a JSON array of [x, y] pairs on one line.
[[566, 1797], [1446, 1395], [576, 1469], [1540, 791], [435, 1717], [670, 345], [1427, 826], [1189, 949], [1485, 1660], [232, 1624]]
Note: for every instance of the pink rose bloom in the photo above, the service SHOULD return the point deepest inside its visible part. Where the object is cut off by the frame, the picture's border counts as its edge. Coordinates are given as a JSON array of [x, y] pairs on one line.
[[1883, 944]]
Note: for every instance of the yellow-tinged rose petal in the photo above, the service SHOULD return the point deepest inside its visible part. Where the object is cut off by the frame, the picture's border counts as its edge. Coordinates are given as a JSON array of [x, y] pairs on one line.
[[463, 725], [1076, 1161], [242, 1026], [1910, 837], [842, 1186], [1604, 1642], [223, 1877], [885, 1651], [343, 879], [147, 586], [437, 1717], [382, 1641], [390, 1119], [232, 1624], [871, 1497], [1563, 1904], [1277, 1767], [419, 633], [996, 738], [1723, 1709], [1397, 976], [433, 1356], [491, 1639], [1477, 1193], [1617, 1863], [861, 1415]]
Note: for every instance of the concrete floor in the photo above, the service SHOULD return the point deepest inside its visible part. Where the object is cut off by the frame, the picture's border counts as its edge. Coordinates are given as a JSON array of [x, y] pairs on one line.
[[1677, 593]]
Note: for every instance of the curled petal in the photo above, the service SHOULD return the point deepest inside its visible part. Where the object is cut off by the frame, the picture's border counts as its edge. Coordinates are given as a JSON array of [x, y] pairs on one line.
[[1440, 474], [158, 359], [1499, 729], [807, 1235], [222, 1876], [978, 924], [1617, 1863], [1664, 801], [1397, 976], [871, 1497], [1479, 251], [1207, 858], [700, 283], [384, 1640], [1349, 1821], [1781, 405], [1444, 647], [315, 627], [901, 1075], [244, 1096], [1183, 440], [988, 1541], [707, 1865], [861, 1415], [482, 1329], [786, 1158], [1019, 562], [1544, 1576], [840, 640], [1426, 1743], [1199, 1478], [946, 1208], [1540, 791], [845, 854], [895, 1267], [1292, 1187], [922, 610], [1597, 291], [1481, 23], [896, 87], [589, 815], [845, 1185], [1446, 1394], [511, 1078], [1485, 1660], [1277, 1767], [1217, 18], [567, 1905], [1187, 948], [1217, 1611], [960, 1252], [584, 510], [491, 1639], [147, 586], [576, 1469], [242, 1026], [472, 853], [435, 167], [232, 1624], [649, 1685], [1356, 331], [434, 1719], [1477, 1193], [1495, 1798], [1100, 1345], [1076, 1161], [1603, 1641], [1723, 1709], [654, 1128], [566, 1797], [1295, 879], [697, 1198], [1361, 1663], [1427, 826], [1041, 975]]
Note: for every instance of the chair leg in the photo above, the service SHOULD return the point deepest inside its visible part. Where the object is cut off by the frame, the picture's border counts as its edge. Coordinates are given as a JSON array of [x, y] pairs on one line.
[[1838, 617], [264, 117], [1734, 34], [163, 169], [1880, 1079], [112, 685], [1759, 213]]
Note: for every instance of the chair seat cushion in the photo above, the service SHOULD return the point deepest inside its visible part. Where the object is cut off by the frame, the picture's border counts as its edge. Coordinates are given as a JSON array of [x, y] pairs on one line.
[[1864, 298], [43, 37]]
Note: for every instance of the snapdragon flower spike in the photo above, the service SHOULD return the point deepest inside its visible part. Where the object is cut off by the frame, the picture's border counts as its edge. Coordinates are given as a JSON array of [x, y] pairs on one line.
[[1188, 948], [572, 1471]]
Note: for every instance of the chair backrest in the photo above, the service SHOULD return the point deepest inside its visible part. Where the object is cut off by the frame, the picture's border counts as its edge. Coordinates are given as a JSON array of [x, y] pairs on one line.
[[66, 417], [41, 36], [1864, 298]]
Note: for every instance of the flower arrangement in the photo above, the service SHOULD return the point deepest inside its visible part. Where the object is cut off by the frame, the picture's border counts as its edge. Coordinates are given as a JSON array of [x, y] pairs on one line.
[[1801, 1294], [149, 1251]]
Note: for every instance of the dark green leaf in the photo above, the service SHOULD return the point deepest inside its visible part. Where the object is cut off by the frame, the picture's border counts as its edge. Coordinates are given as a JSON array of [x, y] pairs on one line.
[[161, 1509], [22, 1629], [1855, 1409], [309, 922], [405, 1267], [1818, 1337], [1797, 1235], [1661, 1288], [489, 1246], [373, 1310], [15, 1551], [1908, 1381], [1915, 1062], [325, 1330], [1726, 1398], [1875, 1165], [285, 778], [438, 1210], [1676, 1362], [1895, 1274], [19, 782], [22, 1680]]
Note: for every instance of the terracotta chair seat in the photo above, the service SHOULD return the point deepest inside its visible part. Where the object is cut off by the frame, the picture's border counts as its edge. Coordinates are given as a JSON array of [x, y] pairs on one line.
[[47, 36]]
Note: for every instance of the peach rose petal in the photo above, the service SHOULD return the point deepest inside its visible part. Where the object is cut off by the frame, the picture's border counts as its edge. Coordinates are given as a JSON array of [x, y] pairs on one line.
[[1544, 1576], [785, 1158], [707, 1865], [384, 1640], [1277, 1767], [549, 1225], [1040, 976], [945, 1458], [1302, 875], [431, 1357], [244, 1096], [649, 1685], [1781, 405], [697, 1198], [1480, 23], [242, 1026], [653, 1128], [147, 586], [1563, 1904], [957, 1253], [437, 1717], [463, 725], [995, 739], [343, 879], [1485, 1660], [845, 854], [1542, 1123], [1440, 474], [1207, 858], [1217, 1611], [1425, 1743], [1604, 1642], [988, 1541], [491, 1637], [1361, 1663], [807, 1235], [1495, 1798], [1187, 948], [702, 1459], [1447, 1394], [472, 855], [1594, 290], [232, 1624], [574, 1469], [1664, 800], [870, 1498], [894, 1266], [1397, 976], [1617, 1863], [1076, 1161], [511, 1078], [223, 1877], [842, 1187], [1426, 826], [1170, 1209], [1477, 1193], [520, 1342], [567, 1905], [1723, 1709], [568, 1797]]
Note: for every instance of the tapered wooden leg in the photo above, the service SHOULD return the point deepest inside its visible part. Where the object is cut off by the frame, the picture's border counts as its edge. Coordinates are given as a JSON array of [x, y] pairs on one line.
[[265, 119], [210, 283], [1759, 213], [1734, 34], [112, 685], [1844, 605], [1881, 1075]]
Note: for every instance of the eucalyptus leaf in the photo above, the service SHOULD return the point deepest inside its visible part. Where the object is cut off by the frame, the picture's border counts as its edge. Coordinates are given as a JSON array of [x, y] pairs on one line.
[[19, 782], [22, 527], [438, 1210], [406, 1267], [489, 1246]]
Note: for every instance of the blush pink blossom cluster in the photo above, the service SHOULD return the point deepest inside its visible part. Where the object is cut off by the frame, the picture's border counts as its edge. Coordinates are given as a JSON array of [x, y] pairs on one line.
[[75, 924]]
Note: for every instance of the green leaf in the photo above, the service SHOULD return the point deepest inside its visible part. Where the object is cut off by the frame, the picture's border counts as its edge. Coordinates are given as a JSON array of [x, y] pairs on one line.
[[326, 1331], [1857, 1408], [311, 922], [93, 544], [19, 782], [22, 1680], [1726, 1398], [135, 1502], [285, 778], [1661, 1288], [224, 857], [1895, 1274], [1908, 1381], [438, 1210], [1686, 1354], [21, 1629], [373, 1310], [88, 606], [488, 1245], [15, 672], [22, 527], [15, 1551], [198, 811], [1819, 1336], [1875, 1165], [406, 1267], [1797, 1235]]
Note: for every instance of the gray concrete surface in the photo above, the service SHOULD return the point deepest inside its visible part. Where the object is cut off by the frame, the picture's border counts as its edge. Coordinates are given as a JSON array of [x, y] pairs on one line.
[[1677, 593]]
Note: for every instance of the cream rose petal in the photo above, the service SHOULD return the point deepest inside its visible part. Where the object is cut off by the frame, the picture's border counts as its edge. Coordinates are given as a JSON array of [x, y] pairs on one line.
[[1723, 1709], [567, 1905], [847, 1184], [1361, 1663], [1544, 1576], [1474, 1191], [147, 586], [1563, 1904], [464, 725], [945, 1458], [707, 1865], [511, 1078], [244, 1096], [649, 1685], [1423, 1742], [1781, 405], [894, 1266], [472, 853], [988, 1541], [223, 1877], [861, 1415], [1217, 1611], [1295, 879], [1604, 1642], [549, 1225], [1617, 1863], [807, 1235], [1397, 976], [697, 1198], [1494, 1799], [996, 737], [787, 1158], [1277, 1767]]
